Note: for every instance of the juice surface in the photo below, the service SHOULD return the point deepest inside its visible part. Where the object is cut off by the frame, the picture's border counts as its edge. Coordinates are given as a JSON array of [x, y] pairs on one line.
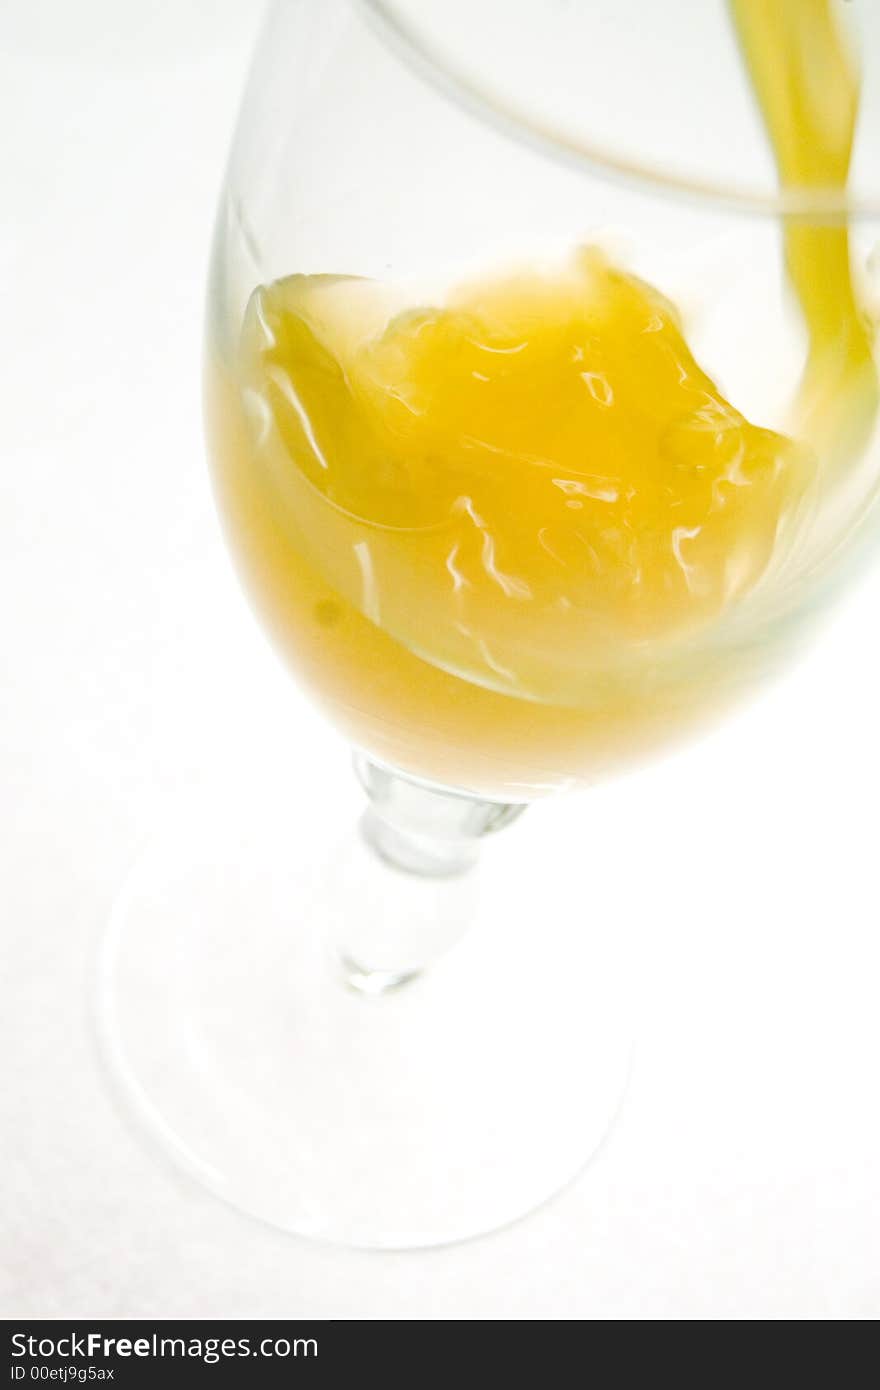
[[481, 524], [525, 485]]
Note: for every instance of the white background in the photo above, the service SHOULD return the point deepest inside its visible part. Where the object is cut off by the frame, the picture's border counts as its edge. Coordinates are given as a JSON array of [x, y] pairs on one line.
[[743, 1178]]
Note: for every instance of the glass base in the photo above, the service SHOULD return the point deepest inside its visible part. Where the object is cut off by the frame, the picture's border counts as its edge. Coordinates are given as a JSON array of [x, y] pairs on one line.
[[391, 1108]]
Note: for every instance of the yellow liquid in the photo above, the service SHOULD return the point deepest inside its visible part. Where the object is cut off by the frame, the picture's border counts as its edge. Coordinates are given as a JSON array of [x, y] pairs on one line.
[[807, 85], [482, 528]]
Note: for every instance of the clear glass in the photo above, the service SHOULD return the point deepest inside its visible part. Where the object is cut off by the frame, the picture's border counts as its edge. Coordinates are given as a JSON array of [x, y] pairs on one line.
[[316, 1072]]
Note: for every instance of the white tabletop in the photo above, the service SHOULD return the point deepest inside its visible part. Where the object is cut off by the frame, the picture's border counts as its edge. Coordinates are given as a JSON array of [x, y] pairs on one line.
[[743, 1178]]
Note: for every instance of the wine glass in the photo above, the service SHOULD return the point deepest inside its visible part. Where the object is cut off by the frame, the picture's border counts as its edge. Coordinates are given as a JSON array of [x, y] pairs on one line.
[[419, 1034]]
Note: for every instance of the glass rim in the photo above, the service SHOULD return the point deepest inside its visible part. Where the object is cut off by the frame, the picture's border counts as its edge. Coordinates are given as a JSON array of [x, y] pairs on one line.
[[808, 204]]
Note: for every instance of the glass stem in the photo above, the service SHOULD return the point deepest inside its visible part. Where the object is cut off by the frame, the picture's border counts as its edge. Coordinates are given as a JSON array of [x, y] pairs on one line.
[[410, 878]]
